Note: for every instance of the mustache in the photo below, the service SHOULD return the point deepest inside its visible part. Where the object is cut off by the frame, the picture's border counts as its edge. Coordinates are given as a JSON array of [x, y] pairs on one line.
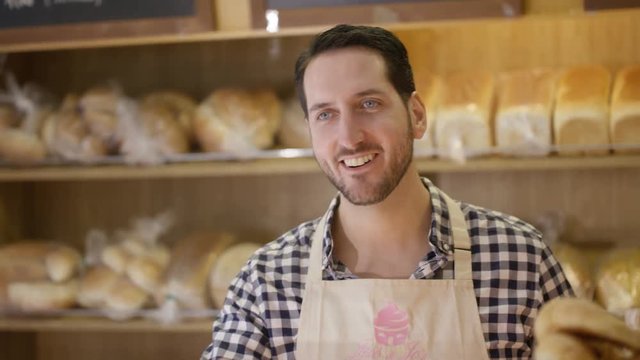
[[364, 147]]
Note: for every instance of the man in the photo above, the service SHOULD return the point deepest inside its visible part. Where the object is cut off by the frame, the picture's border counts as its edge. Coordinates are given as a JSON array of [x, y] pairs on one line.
[[426, 277]]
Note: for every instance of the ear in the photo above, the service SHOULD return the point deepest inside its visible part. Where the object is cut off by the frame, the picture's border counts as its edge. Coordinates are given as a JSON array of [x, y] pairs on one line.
[[418, 115]]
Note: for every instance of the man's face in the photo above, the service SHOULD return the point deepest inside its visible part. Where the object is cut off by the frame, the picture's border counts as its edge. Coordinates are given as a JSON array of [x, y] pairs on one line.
[[361, 131]]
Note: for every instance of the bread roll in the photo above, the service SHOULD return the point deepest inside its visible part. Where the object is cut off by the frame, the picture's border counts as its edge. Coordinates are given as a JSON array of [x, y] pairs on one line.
[[99, 107], [294, 130], [464, 117], [238, 120], [42, 296], [8, 116], [581, 115], [65, 133], [625, 107], [95, 285], [429, 87], [191, 261], [226, 267], [181, 106], [583, 317], [523, 120], [63, 263], [116, 258], [21, 147], [161, 126], [126, 296], [145, 273], [618, 280]]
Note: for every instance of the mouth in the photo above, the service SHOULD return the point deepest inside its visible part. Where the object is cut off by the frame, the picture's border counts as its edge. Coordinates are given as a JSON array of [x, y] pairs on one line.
[[359, 161]]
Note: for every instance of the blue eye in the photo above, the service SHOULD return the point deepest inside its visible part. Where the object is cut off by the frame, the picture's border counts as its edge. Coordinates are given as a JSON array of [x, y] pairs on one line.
[[370, 104], [323, 115]]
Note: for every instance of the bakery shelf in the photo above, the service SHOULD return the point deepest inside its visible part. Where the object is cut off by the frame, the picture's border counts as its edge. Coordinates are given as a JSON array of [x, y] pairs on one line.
[[304, 166], [224, 35], [89, 324]]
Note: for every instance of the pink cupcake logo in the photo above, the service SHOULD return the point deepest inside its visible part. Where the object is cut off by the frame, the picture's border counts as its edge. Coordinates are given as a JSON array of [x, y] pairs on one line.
[[391, 325]]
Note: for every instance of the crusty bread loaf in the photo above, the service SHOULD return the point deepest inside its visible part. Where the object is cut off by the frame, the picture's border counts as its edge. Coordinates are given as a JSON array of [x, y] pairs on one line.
[[191, 261], [181, 106], [95, 285], [294, 130], [226, 267], [63, 263], [625, 107], [429, 87], [576, 269], [523, 119], [237, 120], [42, 296], [21, 147], [581, 116], [464, 117]]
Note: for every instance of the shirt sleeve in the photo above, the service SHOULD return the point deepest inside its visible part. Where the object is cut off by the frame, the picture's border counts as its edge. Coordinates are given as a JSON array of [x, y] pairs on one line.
[[552, 281], [238, 331]]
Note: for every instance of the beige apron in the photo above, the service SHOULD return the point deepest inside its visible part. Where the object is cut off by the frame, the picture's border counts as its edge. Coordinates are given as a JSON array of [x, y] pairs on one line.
[[392, 319]]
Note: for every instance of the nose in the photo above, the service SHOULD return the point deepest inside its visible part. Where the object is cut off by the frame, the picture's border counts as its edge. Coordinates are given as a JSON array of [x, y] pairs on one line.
[[350, 131]]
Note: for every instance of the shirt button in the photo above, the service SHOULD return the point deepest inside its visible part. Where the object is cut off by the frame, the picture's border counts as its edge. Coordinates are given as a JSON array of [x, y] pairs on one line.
[[446, 247]]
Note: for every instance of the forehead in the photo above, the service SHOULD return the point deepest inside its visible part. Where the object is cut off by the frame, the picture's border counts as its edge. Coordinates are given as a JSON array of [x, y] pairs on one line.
[[344, 72]]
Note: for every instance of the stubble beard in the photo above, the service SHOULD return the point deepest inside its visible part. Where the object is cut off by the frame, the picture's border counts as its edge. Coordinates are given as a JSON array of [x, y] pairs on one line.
[[379, 190]]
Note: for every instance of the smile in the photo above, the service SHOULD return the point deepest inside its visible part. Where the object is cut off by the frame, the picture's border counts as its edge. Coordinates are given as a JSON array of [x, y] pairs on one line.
[[358, 161]]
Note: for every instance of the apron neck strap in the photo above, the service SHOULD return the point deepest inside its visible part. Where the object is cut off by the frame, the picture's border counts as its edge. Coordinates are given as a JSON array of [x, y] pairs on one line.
[[459, 233]]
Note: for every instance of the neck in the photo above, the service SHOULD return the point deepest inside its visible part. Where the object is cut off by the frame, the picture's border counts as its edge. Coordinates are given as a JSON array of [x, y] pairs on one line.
[[389, 238]]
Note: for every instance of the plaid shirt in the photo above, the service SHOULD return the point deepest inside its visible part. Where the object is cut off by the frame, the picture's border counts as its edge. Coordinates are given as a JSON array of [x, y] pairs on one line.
[[514, 272]]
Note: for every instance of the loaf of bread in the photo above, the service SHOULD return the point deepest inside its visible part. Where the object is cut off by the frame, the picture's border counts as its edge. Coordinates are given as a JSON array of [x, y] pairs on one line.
[[66, 134], [38, 261], [226, 267], [181, 106], [618, 280], [581, 116], [21, 147], [584, 321], [187, 276], [238, 121], [42, 296], [294, 130], [145, 273], [464, 117], [625, 107], [523, 119], [429, 87]]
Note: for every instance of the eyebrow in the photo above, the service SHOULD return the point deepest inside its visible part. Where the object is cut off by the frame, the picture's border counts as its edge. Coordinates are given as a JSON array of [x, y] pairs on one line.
[[367, 92]]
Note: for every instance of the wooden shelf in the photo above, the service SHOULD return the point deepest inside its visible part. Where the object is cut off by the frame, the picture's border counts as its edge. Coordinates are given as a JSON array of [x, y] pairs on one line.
[[102, 325], [304, 166], [224, 35]]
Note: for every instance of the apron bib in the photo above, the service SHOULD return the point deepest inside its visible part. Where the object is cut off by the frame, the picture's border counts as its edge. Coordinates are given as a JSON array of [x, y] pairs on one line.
[[392, 319]]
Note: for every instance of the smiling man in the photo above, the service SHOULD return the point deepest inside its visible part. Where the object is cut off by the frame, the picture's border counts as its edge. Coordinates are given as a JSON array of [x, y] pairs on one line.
[[425, 277]]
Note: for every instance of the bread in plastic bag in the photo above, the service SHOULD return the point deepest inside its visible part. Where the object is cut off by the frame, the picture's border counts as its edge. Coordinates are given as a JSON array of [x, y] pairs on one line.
[[618, 280]]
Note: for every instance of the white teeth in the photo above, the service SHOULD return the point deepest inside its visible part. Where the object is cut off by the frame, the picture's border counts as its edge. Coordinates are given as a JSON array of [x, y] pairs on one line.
[[359, 161]]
